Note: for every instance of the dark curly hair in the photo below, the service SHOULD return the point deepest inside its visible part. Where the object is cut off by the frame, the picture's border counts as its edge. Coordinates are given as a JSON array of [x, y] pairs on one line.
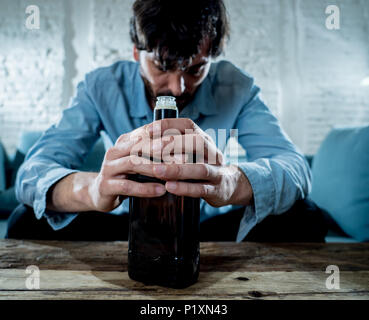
[[175, 29]]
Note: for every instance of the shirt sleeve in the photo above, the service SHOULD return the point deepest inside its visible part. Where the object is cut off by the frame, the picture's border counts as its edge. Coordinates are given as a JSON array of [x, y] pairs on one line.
[[277, 171], [59, 152]]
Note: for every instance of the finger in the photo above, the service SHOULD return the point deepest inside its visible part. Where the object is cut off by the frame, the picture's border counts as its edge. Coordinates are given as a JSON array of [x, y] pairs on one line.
[[133, 188], [176, 158], [195, 190], [197, 144], [159, 127], [127, 165], [159, 149], [122, 149], [204, 149], [148, 147], [126, 142], [189, 143], [138, 132], [196, 171]]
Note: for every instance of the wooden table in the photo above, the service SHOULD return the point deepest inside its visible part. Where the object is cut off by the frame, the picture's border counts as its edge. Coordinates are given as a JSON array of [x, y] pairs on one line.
[[98, 270]]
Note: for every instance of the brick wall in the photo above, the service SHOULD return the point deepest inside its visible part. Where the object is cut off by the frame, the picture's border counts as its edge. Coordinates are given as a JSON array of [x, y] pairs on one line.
[[31, 68], [310, 76]]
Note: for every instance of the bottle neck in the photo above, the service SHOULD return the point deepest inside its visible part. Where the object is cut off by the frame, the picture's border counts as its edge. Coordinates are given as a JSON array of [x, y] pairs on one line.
[[165, 113]]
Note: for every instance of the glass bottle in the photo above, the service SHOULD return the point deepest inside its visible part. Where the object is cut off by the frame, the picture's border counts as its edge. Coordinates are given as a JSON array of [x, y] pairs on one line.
[[163, 244]]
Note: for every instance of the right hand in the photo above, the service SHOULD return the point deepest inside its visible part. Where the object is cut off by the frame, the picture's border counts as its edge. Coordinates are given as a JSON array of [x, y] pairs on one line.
[[111, 186]]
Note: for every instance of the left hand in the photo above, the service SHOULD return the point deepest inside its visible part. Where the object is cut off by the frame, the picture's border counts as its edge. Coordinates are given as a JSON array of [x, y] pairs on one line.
[[218, 185]]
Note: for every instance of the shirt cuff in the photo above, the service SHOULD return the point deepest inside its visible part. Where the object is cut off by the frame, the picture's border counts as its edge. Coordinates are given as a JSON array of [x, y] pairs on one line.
[[247, 222], [264, 193], [57, 220]]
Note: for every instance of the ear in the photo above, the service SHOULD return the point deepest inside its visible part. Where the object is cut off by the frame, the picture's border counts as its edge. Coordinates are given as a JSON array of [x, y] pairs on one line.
[[136, 54]]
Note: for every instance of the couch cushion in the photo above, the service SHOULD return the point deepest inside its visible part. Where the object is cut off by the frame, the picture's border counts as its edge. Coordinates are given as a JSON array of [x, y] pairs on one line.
[[7, 196], [26, 141], [341, 179], [8, 201], [2, 168]]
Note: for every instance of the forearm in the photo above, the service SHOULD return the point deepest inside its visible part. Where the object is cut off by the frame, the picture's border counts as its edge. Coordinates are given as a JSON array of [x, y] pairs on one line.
[[72, 193], [277, 182]]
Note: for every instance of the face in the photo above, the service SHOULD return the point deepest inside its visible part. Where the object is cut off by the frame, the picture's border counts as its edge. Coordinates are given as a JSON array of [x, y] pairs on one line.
[[181, 84]]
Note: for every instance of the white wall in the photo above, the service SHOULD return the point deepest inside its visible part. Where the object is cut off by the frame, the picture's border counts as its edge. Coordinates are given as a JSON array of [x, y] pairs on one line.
[[31, 68], [310, 76]]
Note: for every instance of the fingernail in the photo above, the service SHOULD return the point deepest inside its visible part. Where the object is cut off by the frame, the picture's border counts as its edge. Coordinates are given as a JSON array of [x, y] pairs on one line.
[[171, 185], [160, 169], [160, 189]]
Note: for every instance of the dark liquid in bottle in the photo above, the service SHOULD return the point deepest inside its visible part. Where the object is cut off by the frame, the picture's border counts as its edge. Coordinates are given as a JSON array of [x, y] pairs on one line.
[[164, 234], [164, 239], [165, 113]]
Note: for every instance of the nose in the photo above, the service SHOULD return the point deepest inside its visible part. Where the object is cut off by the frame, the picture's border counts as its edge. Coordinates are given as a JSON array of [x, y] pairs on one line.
[[176, 83]]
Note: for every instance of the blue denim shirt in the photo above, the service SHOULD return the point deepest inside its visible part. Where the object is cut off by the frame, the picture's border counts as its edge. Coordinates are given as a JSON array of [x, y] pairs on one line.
[[112, 100]]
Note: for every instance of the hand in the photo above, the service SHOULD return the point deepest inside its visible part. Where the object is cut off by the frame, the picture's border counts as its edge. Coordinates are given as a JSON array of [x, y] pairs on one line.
[[103, 191], [111, 186], [218, 185]]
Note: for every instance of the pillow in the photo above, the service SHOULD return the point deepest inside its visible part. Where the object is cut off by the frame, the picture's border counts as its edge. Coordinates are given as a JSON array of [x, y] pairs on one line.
[[340, 183]]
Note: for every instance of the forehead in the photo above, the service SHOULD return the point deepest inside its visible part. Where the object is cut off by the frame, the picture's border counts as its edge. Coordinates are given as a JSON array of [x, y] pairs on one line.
[[202, 57]]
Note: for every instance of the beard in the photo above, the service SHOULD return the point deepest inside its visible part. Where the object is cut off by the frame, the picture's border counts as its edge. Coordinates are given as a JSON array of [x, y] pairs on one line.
[[182, 100]]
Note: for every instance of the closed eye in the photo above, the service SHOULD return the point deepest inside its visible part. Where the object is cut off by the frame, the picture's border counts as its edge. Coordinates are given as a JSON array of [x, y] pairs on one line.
[[194, 71], [197, 69]]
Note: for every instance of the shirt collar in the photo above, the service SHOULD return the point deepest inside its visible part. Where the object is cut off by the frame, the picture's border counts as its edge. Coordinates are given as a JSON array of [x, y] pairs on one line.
[[202, 103]]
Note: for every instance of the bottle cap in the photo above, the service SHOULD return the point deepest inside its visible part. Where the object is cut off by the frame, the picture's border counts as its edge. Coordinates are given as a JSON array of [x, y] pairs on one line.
[[166, 102]]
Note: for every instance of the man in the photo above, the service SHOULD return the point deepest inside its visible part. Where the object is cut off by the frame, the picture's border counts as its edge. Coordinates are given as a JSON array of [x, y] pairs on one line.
[[173, 44]]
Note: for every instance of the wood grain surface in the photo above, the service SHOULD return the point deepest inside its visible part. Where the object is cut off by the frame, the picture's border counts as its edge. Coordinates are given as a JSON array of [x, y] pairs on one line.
[[228, 270]]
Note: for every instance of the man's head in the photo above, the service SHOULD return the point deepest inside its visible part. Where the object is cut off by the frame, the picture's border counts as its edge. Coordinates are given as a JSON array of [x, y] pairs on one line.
[[174, 42]]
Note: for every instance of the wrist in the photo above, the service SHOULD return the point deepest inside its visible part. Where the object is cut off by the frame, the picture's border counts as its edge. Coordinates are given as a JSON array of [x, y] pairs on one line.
[[243, 193], [84, 190], [71, 194]]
